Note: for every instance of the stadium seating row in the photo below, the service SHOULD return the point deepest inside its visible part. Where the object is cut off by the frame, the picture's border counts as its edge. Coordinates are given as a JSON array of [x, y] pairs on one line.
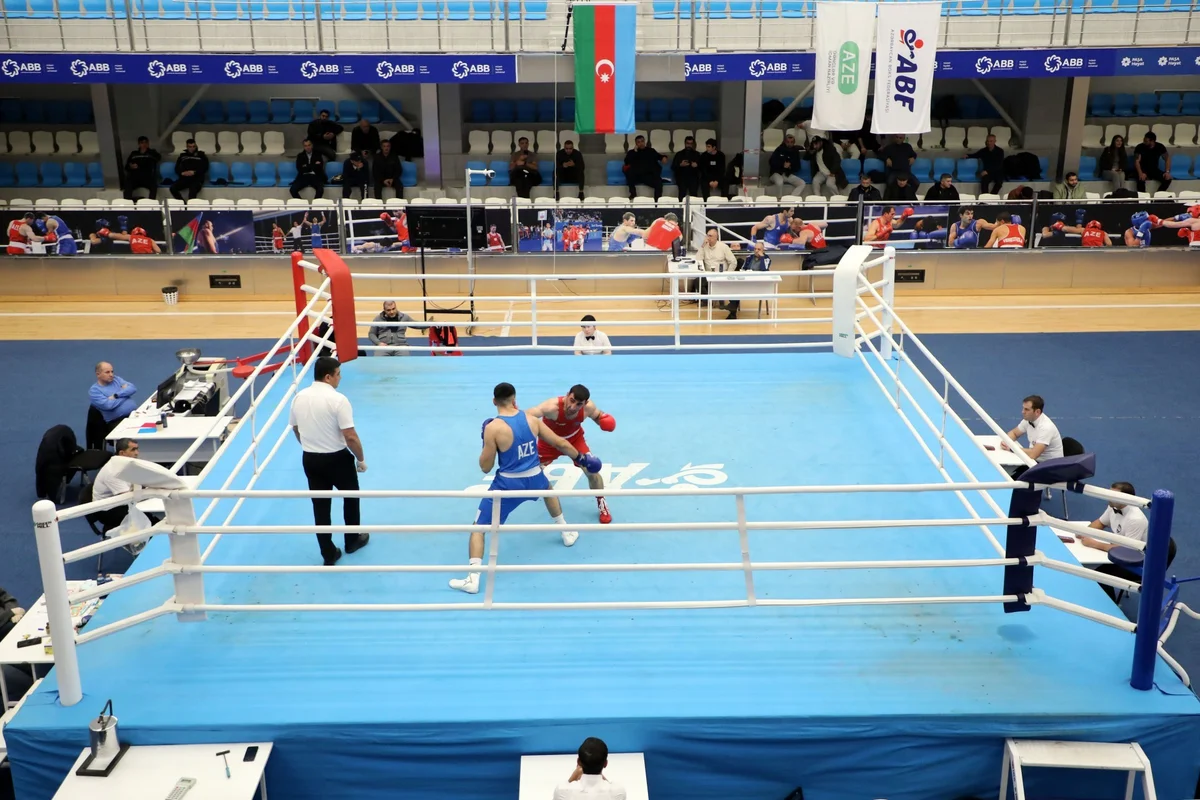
[[480, 142], [45, 112], [949, 138], [1182, 165], [680, 109], [1146, 104], [798, 9], [270, 173], [44, 143], [349, 10], [1181, 135], [249, 143], [52, 174], [284, 111]]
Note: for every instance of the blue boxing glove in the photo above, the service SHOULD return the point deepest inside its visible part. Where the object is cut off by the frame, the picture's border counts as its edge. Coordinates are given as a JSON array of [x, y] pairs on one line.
[[483, 430], [1058, 216], [588, 462], [1143, 233], [123, 224], [1080, 216], [1016, 218], [1182, 217]]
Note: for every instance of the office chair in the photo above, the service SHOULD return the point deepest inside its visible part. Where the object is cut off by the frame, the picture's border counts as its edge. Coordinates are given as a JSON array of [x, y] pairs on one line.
[[1071, 447]]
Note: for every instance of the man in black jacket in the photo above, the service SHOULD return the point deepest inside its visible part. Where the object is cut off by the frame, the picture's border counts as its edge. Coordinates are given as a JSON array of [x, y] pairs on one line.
[[385, 171], [902, 189], [568, 168], [785, 166], [686, 167], [865, 191], [942, 191], [991, 166], [364, 140], [643, 165], [712, 170], [192, 169], [310, 171], [141, 170], [355, 175], [324, 132], [898, 157]]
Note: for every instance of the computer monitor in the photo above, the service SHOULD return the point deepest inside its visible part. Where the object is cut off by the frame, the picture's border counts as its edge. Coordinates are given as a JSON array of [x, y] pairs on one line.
[[165, 394]]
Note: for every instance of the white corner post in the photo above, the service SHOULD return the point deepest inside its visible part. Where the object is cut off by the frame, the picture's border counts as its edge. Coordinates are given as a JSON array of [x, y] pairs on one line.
[[58, 604], [845, 298], [185, 551], [889, 295]]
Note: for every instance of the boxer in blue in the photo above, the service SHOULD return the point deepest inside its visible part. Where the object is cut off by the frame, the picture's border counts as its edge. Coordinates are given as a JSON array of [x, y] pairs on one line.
[[963, 234]]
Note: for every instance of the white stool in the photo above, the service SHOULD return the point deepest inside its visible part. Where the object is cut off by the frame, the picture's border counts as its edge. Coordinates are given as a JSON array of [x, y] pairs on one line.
[[1019, 753]]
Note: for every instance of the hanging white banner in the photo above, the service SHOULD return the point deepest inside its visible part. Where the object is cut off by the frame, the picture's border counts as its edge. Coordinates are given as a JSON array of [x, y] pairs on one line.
[[904, 64], [845, 33]]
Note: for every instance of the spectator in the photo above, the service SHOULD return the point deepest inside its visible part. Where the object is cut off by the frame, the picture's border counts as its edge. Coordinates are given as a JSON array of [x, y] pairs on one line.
[[590, 341], [587, 782], [1123, 520], [1113, 161], [107, 484], [898, 157], [785, 166], [391, 335], [943, 190], [16, 679], [759, 261], [141, 170], [846, 143], [686, 167], [355, 175], [112, 395], [827, 163], [1146, 158], [643, 165], [865, 191], [712, 170], [902, 189], [386, 171], [324, 132], [568, 166], [991, 166], [191, 169], [1070, 188], [715, 255], [1045, 442], [310, 171], [364, 140], [1021, 193], [522, 169]]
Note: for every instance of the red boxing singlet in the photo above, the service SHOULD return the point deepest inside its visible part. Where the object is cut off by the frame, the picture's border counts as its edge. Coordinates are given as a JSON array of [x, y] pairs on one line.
[[17, 243], [661, 234], [817, 242], [885, 231], [1092, 238], [565, 426]]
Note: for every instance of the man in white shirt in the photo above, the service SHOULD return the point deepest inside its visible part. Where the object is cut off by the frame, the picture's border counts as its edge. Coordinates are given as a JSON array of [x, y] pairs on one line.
[[715, 255], [1045, 442], [591, 342], [107, 485], [1122, 520], [588, 781], [323, 422]]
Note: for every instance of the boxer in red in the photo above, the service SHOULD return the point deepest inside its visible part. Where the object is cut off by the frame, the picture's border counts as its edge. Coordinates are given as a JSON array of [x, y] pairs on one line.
[[564, 416]]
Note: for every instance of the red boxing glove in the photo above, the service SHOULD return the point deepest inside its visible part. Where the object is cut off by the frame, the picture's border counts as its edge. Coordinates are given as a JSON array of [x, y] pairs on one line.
[[1182, 233], [103, 233], [607, 422], [624, 168], [906, 213], [386, 217], [1058, 226], [1155, 221], [50, 238]]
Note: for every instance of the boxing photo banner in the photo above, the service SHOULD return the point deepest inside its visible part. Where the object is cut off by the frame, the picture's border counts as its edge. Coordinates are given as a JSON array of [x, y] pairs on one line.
[[905, 58], [605, 59], [845, 34]]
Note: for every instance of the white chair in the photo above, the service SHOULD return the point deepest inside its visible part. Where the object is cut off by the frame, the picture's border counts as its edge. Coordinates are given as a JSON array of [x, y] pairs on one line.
[[660, 140], [495, 201], [67, 142], [273, 143], [1115, 130], [1188, 195], [955, 137], [527, 134], [198, 202], [227, 143], [179, 141], [522, 201], [1087, 195], [771, 138], [617, 201], [70, 202], [1185, 134], [841, 198], [297, 202], [95, 202], [371, 202], [703, 135], [1092, 137], [19, 144], [323, 202], [765, 200], [15, 202], [121, 202], [543, 201], [89, 143], [420, 201], [1003, 135], [45, 204], [146, 202], [988, 196], [977, 138], [614, 144], [1163, 131], [570, 201], [343, 143], [787, 198], [1164, 195], [477, 143], [446, 201], [43, 142], [206, 141], [931, 140], [572, 135], [502, 144], [223, 204], [634, 135], [1136, 134], [386, 135], [547, 142], [172, 203], [716, 200], [3, 143], [643, 201], [252, 143], [593, 200], [247, 202], [801, 134], [961, 196], [679, 134], [350, 202]]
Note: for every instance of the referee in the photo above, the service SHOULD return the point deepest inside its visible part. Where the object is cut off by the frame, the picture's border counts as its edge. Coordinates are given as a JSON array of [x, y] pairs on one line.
[[324, 425]]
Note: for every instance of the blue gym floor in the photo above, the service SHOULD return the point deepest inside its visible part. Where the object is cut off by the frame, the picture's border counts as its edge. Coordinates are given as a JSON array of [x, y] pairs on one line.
[[898, 702]]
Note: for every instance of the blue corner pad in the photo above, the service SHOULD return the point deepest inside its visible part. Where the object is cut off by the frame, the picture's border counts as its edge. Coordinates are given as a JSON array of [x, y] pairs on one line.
[[1062, 470]]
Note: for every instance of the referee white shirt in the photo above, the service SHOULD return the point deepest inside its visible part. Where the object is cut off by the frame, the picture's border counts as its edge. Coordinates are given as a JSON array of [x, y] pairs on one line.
[[319, 414], [1129, 521], [592, 787], [597, 345], [1044, 431]]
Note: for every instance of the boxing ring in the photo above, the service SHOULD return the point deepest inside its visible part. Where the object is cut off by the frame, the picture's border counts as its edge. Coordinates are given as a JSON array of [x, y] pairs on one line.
[[814, 577]]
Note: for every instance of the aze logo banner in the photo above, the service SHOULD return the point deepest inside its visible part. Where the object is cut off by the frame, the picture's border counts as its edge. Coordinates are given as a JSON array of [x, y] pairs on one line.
[[845, 33]]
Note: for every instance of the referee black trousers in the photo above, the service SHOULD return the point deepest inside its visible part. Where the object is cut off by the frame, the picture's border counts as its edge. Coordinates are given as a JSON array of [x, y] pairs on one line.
[[327, 471]]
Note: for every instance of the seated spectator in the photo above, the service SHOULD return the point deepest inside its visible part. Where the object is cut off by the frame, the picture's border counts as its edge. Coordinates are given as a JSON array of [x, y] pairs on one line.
[[714, 255], [712, 170], [1021, 193], [523, 173], [391, 335], [865, 191], [310, 171], [590, 341], [1113, 161], [1146, 158], [324, 132], [759, 261], [588, 781], [827, 166], [1045, 442], [1070, 188], [141, 170], [355, 175], [568, 168], [112, 395], [192, 170], [385, 171], [1122, 520], [364, 140], [643, 166], [991, 166], [942, 191], [846, 143], [898, 157], [785, 166], [686, 167], [902, 188]]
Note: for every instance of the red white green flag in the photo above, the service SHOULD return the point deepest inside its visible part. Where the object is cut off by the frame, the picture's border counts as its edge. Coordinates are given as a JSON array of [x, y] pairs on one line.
[[605, 61]]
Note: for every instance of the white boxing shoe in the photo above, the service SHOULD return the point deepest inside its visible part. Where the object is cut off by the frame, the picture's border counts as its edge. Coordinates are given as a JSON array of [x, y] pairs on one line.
[[469, 584], [569, 537]]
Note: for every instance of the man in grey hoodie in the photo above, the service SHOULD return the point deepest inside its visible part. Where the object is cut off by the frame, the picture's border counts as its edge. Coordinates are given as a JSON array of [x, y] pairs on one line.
[[391, 335]]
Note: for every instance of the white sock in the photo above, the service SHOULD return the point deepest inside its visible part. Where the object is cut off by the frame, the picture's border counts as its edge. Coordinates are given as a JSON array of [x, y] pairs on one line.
[[475, 562], [561, 519]]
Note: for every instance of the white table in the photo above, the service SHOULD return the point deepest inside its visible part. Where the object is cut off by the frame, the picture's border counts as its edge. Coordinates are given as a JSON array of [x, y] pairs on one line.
[[150, 773], [999, 457], [541, 774], [745, 285], [166, 445]]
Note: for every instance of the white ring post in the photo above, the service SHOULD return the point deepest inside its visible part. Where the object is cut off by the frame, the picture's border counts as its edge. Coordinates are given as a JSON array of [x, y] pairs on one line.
[[845, 298], [58, 604], [185, 550], [889, 296]]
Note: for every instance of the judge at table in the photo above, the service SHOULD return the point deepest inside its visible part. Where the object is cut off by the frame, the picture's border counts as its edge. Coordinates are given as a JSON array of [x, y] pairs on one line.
[[587, 782], [1122, 520], [759, 261], [111, 394], [1045, 442]]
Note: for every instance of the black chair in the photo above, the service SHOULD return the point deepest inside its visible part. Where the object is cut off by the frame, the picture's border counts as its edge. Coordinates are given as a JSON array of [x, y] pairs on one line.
[[1171, 550], [60, 459], [101, 522], [1071, 447], [97, 429]]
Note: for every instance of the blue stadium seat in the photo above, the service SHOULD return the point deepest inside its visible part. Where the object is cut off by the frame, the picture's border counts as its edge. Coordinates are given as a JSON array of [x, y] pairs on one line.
[[545, 111], [274, 10], [641, 110], [193, 115], [396, 104], [566, 110], [664, 9], [967, 169], [166, 172], [741, 9], [877, 165], [33, 110], [287, 172], [660, 110], [8, 177], [16, 9], [614, 173], [794, 9], [681, 110], [527, 111], [56, 112], [41, 9], [504, 111], [98, 9], [10, 110], [501, 178], [212, 112], [217, 171], [356, 11], [482, 10], [921, 170], [171, 9], [852, 167], [429, 9], [74, 174], [1087, 168], [940, 165], [481, 111], [95, 173], [1100, 105], [704, 109], [668, 174], [281, 111], [27, 174], [968, 106], [241, 173], [535, 11], [1146, 105], [258, 112], [1181, 166], [806, 170], [220, 10], [1027, 7], [477, 180], [768, 9], [1123, 105], [457, 10], [347, 111], [370, 110], [264, 173], [546, 170], [326, 105], [303, 111], [52, 173], [1191, 104], [716, 9], [1044, 163], [1168, 104], [79, 112], [408, 173], [333, 169], [235, 112]]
